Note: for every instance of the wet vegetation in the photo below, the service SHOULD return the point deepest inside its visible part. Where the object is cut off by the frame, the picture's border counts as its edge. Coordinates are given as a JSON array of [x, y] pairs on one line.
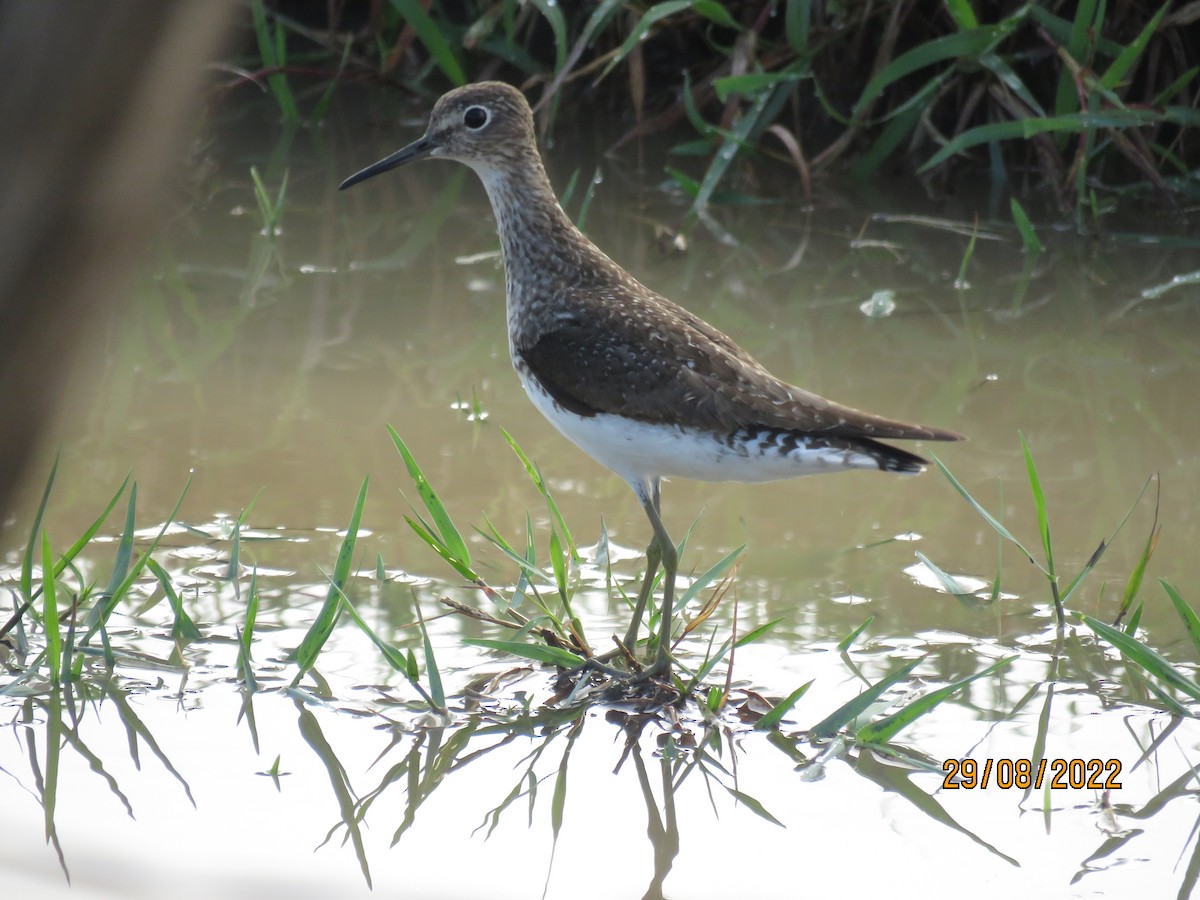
[[63, 655], [1068, 107], [1067, 111]]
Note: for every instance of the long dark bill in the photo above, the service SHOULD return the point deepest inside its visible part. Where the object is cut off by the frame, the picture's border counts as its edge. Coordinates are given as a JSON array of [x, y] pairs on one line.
[[414, 151]]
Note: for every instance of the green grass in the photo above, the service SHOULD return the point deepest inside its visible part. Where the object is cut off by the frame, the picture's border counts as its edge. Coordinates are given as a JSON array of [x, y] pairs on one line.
[[537, 613], [1060, 593], [1097, 104], [54, 678]]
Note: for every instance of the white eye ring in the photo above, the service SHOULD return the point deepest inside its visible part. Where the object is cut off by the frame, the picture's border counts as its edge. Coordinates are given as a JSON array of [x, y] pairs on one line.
[[476, 117]]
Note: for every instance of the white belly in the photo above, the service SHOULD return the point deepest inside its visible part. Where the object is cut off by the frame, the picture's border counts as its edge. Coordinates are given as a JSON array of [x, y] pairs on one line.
[[640, 452]]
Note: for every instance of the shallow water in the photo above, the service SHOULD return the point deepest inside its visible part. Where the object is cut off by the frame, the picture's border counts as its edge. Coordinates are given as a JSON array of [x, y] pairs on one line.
[[270, 368]]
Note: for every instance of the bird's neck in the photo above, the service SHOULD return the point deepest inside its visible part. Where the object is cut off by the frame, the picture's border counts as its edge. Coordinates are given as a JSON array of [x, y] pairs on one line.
[[544, 253]]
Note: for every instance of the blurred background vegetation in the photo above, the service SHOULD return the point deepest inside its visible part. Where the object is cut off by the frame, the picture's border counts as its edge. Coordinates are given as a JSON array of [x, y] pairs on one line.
[[1069, 107]]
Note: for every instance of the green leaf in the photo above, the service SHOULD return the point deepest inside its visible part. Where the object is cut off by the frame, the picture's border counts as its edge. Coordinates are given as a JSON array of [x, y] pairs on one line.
[[436, 691], [1186, 613], [755, 82], [36, 529], [184, 629], [552, 13], [1141, 655], [972, 44], [1029, 238], [1002, 70], [99, 613], [844, 643], [322, 626], [782, 708], [1073, 123], [848, 712], [1039, 502], [653, 15], [712, 575], [902, 120], [124, 548], [949, 583], [246, 635], [1116, 73], [418, 525], [962, 14], [797, 17], [751, 636], [439, 48], [716, 12], [886, 728], [50, 611], [554, 656], [753, 805], [988, 517], [449, 534], [1176, 86], [535, 475]]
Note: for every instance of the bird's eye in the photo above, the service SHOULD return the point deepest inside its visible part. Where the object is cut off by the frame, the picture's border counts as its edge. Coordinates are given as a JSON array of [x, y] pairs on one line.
[[475, 117]]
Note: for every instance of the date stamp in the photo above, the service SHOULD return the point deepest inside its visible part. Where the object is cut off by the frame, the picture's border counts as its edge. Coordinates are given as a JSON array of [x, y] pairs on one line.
[[1094, 774]]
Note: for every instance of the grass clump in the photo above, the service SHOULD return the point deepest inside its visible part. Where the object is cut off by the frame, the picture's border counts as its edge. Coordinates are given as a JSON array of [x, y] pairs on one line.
[[1070, 105]]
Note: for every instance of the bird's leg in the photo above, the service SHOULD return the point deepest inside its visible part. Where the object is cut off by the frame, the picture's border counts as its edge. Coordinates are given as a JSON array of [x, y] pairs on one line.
[[670, 562], [653, 556]]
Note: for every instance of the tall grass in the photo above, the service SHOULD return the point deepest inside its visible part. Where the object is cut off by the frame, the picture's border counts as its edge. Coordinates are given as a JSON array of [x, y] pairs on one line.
[[1061, 104]]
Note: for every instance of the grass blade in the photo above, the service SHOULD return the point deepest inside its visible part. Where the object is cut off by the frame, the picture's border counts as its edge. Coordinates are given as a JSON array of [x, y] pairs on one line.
[[988, 517], [643, 26], [753, 805], [99, 614], [554, 656], [535, 475], [184, 629], [449, 534], [1186, 613], [1133, 585], [431, 669], [35, 530], [782, 708], [848, 712], [439, 48], [1141, 655], [971, 43], [1129, 56], [1039, 502], [712, 575], [949, 583], [246, 636], [1029, 238], [844, 643], [318, 633], [50, 611], [886, 728]]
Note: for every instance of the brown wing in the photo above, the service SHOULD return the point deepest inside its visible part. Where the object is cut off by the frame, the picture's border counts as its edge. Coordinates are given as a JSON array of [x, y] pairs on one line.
[[653, 361]]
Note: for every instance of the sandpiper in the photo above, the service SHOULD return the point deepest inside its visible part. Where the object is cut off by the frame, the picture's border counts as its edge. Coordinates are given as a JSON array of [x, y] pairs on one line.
[[637, 382]]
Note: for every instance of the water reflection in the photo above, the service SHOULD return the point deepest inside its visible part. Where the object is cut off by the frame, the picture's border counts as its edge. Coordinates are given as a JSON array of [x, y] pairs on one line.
[[569, 775]]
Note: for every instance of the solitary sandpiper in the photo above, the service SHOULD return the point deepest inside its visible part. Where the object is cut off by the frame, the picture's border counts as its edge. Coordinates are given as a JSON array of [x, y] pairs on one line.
[[642, 385]]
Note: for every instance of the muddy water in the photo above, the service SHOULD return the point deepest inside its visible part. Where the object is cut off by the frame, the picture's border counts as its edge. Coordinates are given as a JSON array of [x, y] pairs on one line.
[[269, 368]]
